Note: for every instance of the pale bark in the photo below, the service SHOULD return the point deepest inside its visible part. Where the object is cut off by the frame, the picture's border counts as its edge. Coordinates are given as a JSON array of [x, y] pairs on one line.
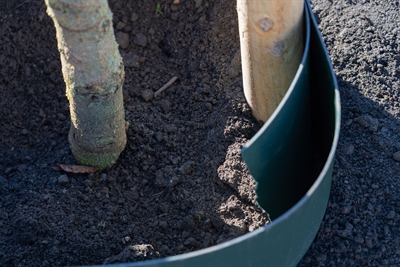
[[272, 45], [93, 73]]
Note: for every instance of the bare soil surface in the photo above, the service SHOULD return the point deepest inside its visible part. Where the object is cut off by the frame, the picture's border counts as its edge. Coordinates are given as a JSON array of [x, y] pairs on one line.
[[362, 222], [181, 185]]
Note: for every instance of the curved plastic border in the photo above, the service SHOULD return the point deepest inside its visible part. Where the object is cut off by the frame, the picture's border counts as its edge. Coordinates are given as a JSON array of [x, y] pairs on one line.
[[287, 238]]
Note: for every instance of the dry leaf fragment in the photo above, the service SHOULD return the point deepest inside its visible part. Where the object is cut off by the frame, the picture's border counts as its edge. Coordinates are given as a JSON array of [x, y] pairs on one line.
[[75, 168], [176, 2]]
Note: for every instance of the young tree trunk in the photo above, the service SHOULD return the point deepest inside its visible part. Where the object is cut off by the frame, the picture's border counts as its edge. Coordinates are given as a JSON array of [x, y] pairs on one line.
[[272, 45], [94, 74]]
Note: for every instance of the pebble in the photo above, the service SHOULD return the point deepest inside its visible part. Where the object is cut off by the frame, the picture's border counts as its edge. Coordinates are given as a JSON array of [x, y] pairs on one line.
[[159, 136], [190, 241], [174, 7], [120, 25], [346, 210], [163, 224], [349, 150], [368, 243], [166, 106], [134, 17], [63, 180], [131, 60], [359, 239], [187, 167], [122, 39], [321, 257], [198, 3], [147, 95], [174, 181], [140, 39], [103, 177], [396, 156], [391, 215], [368, 122], [61, 117]]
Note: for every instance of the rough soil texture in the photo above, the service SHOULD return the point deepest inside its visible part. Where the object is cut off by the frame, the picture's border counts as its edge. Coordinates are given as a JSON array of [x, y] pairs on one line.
[[180, 185], [362, 222]]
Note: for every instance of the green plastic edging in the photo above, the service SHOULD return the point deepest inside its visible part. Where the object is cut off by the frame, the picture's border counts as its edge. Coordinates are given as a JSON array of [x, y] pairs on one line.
[[282, 159]]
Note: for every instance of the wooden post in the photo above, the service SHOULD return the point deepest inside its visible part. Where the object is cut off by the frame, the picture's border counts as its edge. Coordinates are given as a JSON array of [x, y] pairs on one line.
[[272, 45]]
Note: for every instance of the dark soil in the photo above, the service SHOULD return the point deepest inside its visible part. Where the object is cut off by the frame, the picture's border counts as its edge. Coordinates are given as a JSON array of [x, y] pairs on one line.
[[361, 226], [180, 185]]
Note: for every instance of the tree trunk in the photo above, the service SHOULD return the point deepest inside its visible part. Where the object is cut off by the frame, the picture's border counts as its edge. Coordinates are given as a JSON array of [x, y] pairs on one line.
[[272, 46], [94, 74]]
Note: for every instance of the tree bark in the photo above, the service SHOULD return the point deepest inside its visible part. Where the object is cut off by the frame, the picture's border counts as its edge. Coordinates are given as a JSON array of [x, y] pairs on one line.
[[94, 74], [272, 46]]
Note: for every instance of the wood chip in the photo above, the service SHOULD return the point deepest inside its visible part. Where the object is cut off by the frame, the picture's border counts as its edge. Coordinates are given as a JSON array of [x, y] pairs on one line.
[[74, 168]]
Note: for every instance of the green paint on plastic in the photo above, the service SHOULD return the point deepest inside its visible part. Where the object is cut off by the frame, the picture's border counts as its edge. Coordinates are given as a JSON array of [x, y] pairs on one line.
[[280, 158]]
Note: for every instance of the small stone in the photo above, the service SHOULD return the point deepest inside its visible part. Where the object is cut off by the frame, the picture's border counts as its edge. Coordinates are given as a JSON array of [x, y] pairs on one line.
[[370, 29], [88, 183], [140, 39], [134, 17], [368, 122], [174, 181], [349, 122], [396, 156], [349, 150], [359, 239], [159, 136], [163, 224], [190, 241], [122, 39], [131, 60], [147, 95], [391, 215], [321, 257], [174, 7], [166, 106], [198, 3], [61, 117], [103, 177], [346, 210], [368, 243], [187, 167], [63, 180], [120, 25], [105, 190]]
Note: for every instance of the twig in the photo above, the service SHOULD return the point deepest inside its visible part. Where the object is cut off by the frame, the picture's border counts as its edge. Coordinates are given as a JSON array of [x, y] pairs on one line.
[[168, 84], [44, 118]]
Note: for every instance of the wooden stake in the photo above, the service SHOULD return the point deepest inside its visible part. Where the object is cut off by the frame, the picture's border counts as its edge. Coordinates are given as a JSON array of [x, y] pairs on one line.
[[272, 45]]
